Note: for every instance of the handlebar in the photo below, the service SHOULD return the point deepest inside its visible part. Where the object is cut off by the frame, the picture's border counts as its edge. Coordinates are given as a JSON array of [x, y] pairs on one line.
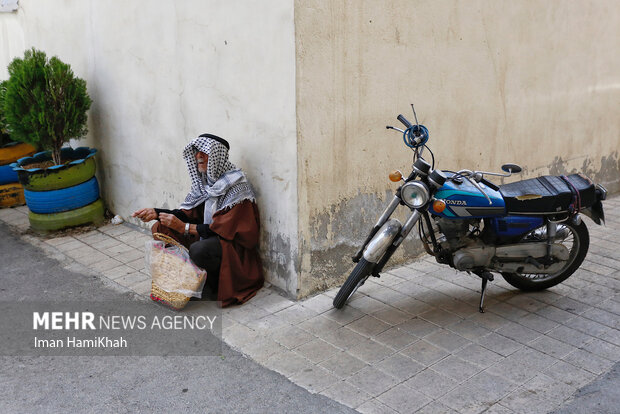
[[402, 119]]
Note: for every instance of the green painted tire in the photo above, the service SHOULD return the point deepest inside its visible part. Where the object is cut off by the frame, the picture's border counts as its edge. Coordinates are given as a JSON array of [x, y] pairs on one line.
[[92, 213], [56, 179]]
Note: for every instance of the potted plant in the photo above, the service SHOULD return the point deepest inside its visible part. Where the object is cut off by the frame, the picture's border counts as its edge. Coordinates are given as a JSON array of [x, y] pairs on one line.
[[44, 104]]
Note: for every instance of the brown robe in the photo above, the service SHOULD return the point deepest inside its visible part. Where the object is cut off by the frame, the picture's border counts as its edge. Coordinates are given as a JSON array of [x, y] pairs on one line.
[[241, 271]]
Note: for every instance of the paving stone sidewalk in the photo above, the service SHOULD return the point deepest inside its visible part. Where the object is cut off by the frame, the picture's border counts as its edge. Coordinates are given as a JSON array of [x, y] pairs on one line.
[[413, 340]]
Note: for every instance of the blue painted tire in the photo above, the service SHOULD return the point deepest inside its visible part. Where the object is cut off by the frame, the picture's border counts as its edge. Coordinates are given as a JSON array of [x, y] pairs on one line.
[[56, 201], [7, 175]]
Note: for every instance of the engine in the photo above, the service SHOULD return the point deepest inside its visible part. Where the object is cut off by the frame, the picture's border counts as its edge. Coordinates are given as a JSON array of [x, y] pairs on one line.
[[455, 232], [464, 250], [461, 249]]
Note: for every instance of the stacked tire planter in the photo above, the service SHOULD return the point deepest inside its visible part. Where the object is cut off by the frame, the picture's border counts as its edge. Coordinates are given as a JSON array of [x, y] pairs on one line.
[[11, 191], [62, 195]]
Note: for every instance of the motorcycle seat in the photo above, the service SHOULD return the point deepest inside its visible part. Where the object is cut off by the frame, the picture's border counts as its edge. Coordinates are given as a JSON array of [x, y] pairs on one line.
[[548, 194]]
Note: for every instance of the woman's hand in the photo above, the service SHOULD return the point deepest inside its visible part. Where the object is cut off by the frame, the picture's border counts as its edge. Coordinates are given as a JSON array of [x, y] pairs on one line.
[[145, 214], [171, 221]]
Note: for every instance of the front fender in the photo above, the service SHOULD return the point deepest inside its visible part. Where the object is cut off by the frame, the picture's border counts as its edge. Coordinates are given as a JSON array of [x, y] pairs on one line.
[[382, 240]]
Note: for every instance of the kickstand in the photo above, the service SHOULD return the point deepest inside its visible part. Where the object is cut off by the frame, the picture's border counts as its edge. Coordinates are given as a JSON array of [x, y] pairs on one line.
[[486, 277]]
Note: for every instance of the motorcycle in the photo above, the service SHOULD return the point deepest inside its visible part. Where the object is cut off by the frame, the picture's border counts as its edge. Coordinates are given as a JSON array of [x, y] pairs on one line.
[[530, 231]]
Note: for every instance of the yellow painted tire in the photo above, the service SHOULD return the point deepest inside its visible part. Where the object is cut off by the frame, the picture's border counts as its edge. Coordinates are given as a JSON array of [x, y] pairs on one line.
[[11, 195], [15, 151]]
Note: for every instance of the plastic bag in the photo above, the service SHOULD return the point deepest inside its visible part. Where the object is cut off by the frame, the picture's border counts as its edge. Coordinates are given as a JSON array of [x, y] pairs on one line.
[[172, 270]]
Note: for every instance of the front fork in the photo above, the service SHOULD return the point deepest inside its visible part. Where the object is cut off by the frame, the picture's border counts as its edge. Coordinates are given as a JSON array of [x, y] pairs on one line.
[[384, 217], [404, 232], [385, 237]]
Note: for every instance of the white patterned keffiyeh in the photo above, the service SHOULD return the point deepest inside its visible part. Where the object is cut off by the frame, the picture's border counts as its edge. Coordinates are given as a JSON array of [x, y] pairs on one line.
[[223, 185]]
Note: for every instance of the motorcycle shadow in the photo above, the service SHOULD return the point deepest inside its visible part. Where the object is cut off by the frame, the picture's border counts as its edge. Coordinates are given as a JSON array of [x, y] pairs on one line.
[[456, 295]]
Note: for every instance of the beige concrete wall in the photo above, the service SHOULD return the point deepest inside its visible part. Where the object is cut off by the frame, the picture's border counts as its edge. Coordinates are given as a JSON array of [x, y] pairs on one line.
[[162, 72], [532, 82]]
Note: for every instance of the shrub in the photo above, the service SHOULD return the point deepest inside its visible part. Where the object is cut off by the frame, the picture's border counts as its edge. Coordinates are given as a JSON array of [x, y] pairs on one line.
[[4, 131], [44, 104]]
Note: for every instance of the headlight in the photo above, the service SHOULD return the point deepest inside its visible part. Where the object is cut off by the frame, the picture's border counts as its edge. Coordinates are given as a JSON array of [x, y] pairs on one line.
[[415, 194]]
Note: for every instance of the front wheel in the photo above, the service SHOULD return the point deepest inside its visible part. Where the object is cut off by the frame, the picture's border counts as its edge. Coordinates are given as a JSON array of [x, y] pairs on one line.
[[576, 239], [356, 279]]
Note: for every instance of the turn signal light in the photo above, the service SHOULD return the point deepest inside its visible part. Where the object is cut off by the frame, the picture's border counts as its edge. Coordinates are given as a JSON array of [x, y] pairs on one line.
[[396, 176], [439, 206]]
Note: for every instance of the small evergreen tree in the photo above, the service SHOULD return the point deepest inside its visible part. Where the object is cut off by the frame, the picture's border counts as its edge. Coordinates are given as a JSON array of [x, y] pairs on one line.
[[44, 103], [4, 130]]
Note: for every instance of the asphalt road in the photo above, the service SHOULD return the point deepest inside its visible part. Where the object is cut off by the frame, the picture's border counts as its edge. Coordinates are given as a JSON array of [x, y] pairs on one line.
[[601, 396], [227, 383]]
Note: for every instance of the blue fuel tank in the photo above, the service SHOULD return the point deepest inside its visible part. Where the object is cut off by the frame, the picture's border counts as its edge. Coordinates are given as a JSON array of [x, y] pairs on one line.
[[465, 201]]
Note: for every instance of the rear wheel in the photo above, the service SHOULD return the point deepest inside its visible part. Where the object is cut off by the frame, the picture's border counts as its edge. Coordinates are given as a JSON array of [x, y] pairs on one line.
[[356, 279], [576, 239]]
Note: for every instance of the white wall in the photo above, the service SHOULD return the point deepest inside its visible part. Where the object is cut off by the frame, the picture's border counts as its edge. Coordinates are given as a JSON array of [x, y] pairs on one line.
[[162, 72]]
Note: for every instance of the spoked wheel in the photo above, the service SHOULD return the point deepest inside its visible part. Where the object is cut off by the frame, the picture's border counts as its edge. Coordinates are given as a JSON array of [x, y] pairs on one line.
[[575, 238], [356, 279]]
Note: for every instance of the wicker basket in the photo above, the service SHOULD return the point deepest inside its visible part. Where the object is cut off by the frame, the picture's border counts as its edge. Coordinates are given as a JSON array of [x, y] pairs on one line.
[[171, 272]]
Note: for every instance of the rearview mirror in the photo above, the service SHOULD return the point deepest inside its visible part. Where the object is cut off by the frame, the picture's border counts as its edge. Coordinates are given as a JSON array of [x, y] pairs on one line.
[[511, 168]]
